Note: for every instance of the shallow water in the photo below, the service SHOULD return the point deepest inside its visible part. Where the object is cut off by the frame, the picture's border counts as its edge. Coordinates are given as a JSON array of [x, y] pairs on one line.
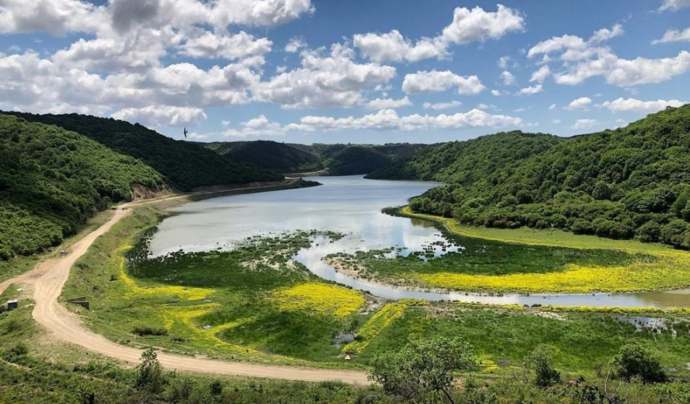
[[350, 205]]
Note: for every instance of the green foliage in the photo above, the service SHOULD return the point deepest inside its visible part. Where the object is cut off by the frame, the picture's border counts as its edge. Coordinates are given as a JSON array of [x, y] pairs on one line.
[[470, 161], [423, 369], [348, 159], [539, 362], [633, 361], [184, 165], [610, 183], [150, 372], [52, 180], [274, 156]]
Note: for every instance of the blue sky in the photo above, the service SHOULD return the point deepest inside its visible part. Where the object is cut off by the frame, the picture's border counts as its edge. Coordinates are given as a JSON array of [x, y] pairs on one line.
[[347, 71]]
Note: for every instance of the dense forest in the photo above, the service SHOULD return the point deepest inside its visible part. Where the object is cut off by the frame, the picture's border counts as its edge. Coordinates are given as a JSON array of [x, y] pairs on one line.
[[623, 183], [274, 156], [52, 180], [185, 165], [335, 159], [469, 161]]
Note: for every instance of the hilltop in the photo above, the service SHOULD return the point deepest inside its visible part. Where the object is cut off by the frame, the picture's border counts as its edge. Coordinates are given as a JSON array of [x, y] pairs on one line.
[[623, 183], [184, 165], [274, 156]]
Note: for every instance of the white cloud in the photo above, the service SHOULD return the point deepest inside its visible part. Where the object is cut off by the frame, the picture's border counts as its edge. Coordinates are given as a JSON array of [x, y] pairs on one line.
[[436, 81], [674, 35], [392, 47], [580, 103], [442, 105], [388, 119], [508, 78], [556, 121], [540, 75], [212, 46], [584, 59], [389, 103], [161, 116], [634, 105], [496, 93], [531, 90], [295, 44], [52, 16], [605, 34], [259, 126], [225, 123], [323, 81], [552, 107], [476, 25], [503, 62], [674, 4], [585, 124]]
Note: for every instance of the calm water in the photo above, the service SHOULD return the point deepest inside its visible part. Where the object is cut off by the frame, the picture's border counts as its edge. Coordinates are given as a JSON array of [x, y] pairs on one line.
[[349, 205]]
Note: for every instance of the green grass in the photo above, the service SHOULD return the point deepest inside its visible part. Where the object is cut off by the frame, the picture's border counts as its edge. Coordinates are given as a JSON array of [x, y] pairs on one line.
[[530, 261], [581, 342]]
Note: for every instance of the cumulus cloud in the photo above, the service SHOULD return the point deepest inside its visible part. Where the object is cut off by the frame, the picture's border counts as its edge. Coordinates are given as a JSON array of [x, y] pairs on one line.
[[580, 103], [475, 25], [585, 59], [508, 79], [295, 44], [540, 75], [531, 90], [674, 35], [674, 4], [389, 103], [638, 106], [441, 105], [324, 81], [436, 81], [388, 119], [259, 126], [52, 16], [212, 45], [582, 124], [161, 116]]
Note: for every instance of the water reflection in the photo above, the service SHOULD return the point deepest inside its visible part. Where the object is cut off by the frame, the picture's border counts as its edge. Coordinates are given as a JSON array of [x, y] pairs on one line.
[[351, 205]]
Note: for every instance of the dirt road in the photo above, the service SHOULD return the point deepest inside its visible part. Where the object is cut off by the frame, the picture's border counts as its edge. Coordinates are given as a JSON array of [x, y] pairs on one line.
[[49, 277]]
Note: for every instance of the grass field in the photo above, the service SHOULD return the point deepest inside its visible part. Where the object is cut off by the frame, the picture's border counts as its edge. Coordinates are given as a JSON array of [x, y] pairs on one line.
[[255, 304], [530, 261]]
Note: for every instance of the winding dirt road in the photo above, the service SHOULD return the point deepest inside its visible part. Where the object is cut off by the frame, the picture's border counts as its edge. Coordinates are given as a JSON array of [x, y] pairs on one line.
[[49, 277]]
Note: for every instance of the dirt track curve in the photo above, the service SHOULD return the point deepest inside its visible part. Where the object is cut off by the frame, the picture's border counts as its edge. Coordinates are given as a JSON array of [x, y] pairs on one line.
[[49, 277]]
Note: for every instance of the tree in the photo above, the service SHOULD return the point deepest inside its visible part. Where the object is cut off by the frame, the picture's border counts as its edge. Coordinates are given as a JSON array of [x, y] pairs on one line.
[[539, 361], [633, 361], [150, 372], [424, 368]]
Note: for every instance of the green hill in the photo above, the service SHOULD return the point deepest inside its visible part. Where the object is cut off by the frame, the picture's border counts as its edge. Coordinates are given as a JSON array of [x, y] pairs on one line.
[[185, 165], [623, 183], [273, 156], [347, 159], [52, 180], [469, 161]]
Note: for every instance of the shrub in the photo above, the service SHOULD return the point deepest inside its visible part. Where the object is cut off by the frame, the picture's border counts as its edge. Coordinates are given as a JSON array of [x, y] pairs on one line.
[[146, 330], [539, 361], [633, 361]]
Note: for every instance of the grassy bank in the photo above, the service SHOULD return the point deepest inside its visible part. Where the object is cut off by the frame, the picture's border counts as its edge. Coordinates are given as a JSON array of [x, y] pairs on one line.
[[531, 261]]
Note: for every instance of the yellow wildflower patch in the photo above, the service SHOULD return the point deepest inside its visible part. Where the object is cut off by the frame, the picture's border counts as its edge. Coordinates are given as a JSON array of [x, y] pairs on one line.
[[575, 279], [320, 298], [179, 292], [377, 323]]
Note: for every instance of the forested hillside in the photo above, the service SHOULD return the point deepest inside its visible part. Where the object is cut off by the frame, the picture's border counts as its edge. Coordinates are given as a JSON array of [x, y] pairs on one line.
[[185, 165], [52, 180], [274, 156], [623, 183], [348, 159], [469, 161]]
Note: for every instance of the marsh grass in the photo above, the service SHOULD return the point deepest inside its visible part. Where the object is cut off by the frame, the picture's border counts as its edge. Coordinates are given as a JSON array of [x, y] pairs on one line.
[[526, 261]]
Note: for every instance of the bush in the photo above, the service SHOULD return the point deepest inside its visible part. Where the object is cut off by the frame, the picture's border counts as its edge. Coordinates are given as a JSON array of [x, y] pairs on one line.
[[633, 361], [539, 361], [146, 330], [581, 226], [649, 232]]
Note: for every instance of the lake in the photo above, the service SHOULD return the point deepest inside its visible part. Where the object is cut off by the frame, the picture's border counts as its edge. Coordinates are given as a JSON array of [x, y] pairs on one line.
[[350, 205]]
